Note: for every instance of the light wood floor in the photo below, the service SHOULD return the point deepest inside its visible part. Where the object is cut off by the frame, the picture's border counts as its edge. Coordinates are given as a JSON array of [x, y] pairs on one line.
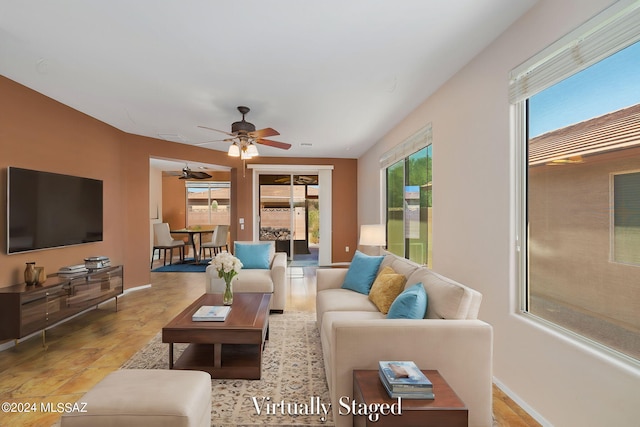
[[83, 350]]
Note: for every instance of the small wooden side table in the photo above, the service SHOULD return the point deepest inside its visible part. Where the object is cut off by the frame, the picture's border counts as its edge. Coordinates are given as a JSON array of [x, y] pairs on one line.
[[446, 410]]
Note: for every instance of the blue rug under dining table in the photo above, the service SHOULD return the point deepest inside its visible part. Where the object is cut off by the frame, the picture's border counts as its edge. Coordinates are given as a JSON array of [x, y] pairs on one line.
[[188, 266]]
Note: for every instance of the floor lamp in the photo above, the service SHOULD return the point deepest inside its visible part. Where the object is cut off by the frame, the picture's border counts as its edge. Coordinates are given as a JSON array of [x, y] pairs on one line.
[[373, 235]]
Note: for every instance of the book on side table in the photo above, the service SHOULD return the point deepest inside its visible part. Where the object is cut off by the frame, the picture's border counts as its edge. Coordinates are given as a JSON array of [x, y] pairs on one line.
[[211, 313], [404, 379]]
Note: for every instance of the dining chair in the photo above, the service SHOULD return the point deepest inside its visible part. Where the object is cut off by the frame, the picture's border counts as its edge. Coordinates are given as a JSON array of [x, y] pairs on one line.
[[217, 243], [163, 241]]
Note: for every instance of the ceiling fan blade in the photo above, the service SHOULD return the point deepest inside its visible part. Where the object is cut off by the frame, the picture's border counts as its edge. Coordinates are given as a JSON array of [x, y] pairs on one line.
[[214, 140], [217, 130], [200, 175], [276, 144], [261, 133]]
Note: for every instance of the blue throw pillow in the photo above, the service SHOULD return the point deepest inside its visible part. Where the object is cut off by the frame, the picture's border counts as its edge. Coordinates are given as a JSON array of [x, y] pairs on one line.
[[410, 304], [253, 256], [362, 272]]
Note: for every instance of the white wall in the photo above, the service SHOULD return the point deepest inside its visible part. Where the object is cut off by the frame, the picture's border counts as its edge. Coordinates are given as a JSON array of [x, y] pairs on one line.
[[560, 382]]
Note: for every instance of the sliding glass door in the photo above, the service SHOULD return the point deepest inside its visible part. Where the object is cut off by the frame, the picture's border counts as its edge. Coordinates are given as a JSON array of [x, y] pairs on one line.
[[289, 212]]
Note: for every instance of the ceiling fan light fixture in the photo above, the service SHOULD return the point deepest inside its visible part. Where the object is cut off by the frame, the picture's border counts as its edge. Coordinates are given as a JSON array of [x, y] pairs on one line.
[[244, 155], [234, 150], [252, 150]]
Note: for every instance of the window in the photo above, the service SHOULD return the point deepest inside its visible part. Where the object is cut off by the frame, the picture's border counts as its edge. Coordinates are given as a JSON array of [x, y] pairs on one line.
[[626, 218], [577, 110], [208, 203], [409, 198]]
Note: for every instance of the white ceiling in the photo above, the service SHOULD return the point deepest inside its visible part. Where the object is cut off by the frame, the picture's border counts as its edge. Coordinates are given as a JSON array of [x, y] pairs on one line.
[[332, 76]]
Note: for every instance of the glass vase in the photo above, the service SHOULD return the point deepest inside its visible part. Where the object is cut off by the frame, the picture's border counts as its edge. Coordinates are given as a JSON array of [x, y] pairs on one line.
[[227, 297]]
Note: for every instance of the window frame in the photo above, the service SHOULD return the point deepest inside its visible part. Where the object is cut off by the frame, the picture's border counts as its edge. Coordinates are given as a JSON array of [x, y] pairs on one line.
[[209, 185], [420, 140], [607, 33], [612, 210]]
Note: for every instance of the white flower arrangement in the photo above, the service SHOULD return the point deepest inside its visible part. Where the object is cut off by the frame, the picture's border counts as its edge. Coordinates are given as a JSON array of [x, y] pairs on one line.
[[227, 266]]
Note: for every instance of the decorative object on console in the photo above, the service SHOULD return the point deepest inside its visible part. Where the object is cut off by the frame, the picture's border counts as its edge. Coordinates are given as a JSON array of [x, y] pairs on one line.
[[227, 267], [96, 262], [73, 270], [40, 275], [30, 274]]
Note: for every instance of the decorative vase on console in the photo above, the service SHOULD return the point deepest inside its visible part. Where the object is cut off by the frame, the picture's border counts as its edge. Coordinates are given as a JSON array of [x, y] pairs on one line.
[[41, 275], [30, 274], [227, 267]]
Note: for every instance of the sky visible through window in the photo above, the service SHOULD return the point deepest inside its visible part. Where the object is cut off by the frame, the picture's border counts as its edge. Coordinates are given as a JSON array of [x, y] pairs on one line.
[[609, 85]]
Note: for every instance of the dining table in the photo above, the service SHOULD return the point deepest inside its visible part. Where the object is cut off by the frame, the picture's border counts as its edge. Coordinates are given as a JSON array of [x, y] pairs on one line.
[[193, 232]]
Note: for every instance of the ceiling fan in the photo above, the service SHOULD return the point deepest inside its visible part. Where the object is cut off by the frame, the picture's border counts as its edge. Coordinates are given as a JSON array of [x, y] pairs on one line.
[[187, 173], [244, 136]]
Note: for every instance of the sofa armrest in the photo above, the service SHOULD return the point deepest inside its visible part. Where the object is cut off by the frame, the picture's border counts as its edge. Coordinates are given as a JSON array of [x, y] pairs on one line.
[[461, 350], [330, 278], [279, 278]]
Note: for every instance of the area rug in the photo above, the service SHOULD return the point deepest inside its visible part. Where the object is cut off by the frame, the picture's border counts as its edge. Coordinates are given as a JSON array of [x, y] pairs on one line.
[[293, 383], [185, 267]]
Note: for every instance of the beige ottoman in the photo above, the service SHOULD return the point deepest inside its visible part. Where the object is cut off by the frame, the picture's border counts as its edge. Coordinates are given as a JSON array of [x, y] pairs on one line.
[[146, 397]]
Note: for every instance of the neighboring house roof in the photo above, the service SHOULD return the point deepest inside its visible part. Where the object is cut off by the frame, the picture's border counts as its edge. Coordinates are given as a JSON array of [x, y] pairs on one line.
[[614, 131]]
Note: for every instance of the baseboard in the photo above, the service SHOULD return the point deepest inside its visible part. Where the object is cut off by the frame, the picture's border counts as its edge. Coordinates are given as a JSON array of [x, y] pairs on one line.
[[521, 403]]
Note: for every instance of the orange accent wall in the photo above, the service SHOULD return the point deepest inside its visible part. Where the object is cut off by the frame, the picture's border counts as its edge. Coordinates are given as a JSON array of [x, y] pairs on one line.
[[37, 132]]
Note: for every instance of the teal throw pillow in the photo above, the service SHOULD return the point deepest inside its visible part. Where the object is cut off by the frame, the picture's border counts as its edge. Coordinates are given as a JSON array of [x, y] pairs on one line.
[[253, 256], [362, 272], [410, 304]]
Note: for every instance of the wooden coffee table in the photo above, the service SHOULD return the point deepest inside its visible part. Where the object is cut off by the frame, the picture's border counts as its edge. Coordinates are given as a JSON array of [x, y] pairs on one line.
[[446, 410], [229, 349]]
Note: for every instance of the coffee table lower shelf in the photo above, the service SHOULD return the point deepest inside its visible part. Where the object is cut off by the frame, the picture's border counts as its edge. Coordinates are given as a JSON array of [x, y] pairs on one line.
[[235, 361]]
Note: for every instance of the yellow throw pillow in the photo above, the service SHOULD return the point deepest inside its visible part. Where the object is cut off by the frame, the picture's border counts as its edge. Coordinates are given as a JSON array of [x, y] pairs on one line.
[[387, 286]]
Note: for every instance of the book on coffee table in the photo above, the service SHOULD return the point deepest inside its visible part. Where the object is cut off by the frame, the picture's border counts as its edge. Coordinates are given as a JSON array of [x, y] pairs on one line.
[[211, 313]]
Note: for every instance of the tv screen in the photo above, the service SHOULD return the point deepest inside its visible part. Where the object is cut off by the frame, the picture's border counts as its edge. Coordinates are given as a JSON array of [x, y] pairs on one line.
[[48, 210]]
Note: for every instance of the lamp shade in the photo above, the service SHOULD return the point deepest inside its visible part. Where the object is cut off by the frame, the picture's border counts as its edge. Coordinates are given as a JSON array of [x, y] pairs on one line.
[[252, 150], [373, 235], [234, 150]]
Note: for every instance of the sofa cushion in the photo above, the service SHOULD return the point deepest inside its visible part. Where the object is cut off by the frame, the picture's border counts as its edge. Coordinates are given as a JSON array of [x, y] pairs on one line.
[[387, 286], [362, 272], [447, 299], [343, 300], [410, 304], [400, 265], [253, 256]]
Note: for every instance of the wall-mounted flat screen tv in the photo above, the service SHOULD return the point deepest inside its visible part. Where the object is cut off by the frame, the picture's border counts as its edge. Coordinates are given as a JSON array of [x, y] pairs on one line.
[[49, 210]]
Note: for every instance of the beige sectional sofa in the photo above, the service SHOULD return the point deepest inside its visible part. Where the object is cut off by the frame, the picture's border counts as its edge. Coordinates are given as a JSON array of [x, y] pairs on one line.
[[272, 280], [356, 335]]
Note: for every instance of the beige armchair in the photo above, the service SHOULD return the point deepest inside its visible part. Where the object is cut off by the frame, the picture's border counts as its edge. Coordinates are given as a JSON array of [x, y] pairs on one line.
[[272, 280]]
